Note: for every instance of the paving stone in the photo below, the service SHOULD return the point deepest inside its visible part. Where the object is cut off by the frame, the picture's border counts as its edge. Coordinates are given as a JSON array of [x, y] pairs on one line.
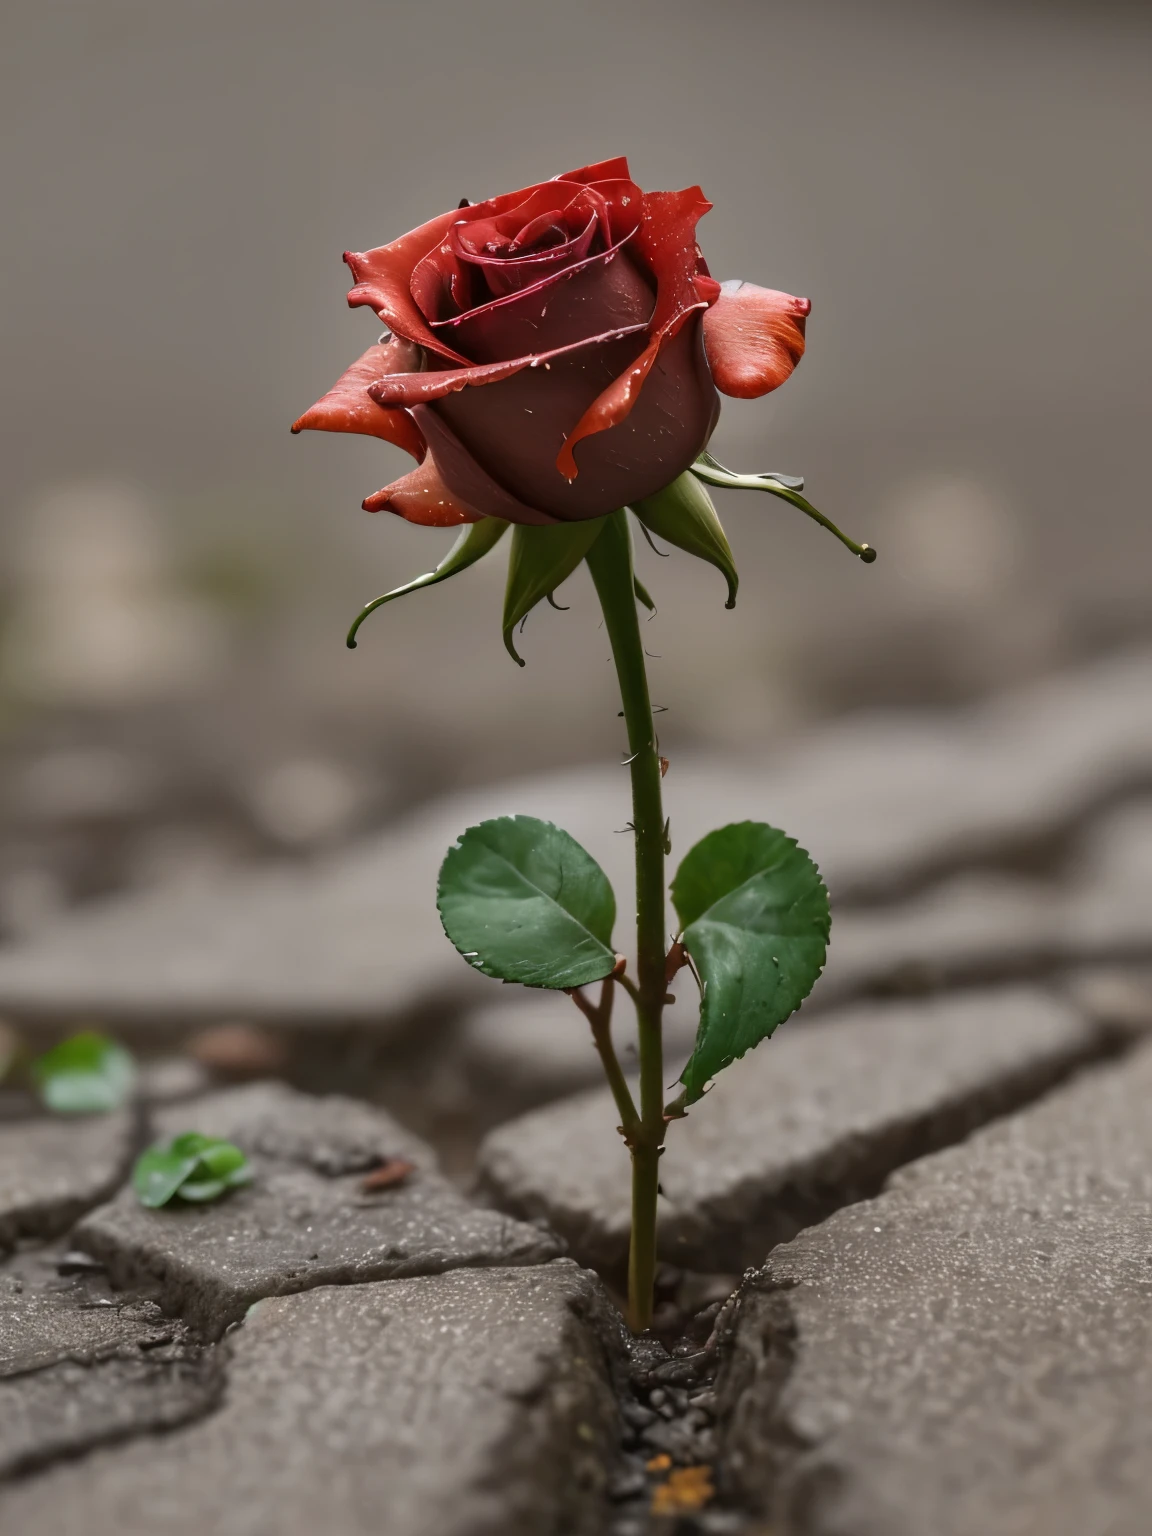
[[814, 1118], [986, 926], [52, 1170], [971, 1351], [530, 1047], [476, 1403], [525, 1049], [80, 1366], [881, 800], [305, 1220]]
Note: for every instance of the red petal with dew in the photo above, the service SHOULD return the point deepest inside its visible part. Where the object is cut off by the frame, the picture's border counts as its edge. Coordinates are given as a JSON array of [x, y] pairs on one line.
[[383, 276], [348, 407], [666, 242], [754, 337], [409, 389], [422, 497]]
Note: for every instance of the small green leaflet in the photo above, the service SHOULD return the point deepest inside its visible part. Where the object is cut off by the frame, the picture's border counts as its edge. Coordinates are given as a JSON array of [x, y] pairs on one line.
[[87, 1074], [755, 920], [522, 901], [195, 1167]]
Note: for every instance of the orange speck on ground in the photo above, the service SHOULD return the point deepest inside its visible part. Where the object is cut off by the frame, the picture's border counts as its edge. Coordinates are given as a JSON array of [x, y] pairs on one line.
[[687, 1489]]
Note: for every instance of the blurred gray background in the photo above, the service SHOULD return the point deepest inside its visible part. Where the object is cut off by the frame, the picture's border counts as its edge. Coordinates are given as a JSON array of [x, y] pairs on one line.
[[961, 189]]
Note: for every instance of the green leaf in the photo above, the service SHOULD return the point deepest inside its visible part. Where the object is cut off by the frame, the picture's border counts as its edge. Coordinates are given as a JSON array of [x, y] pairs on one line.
[[194, 1167], [159, 1173], [522, 901], [755, 920], [472, 545], [683, 514], [541, 559], [86, 1074]]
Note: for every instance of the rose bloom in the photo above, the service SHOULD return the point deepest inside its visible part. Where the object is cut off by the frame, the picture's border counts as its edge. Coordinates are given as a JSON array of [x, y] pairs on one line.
[[553, 354]]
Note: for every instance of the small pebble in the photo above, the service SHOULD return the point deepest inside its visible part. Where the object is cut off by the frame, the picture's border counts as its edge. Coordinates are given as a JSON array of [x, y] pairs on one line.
[[76, 1263], [627, 1485]]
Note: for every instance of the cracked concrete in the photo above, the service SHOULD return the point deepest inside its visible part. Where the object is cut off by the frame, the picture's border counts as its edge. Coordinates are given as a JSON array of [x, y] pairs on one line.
[[305, 1220], [971, 1350], [475, 1403], [813, 1119], [53, 1169], [81, 1366]]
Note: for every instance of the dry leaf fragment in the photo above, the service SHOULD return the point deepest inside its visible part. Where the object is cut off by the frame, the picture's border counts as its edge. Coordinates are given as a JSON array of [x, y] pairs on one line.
[[687, 1489], [390, 1173]]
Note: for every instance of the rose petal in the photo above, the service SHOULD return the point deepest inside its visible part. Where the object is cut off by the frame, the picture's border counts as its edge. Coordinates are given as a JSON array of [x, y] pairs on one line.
[[409, 389], [544, 314], [515, 428], [475, 487], [603, 170], [666, 241], [382, 279], [348, 407], [556, 313], [509, 274], [754, 338], [422, 497], [382, 276], [442, 284]]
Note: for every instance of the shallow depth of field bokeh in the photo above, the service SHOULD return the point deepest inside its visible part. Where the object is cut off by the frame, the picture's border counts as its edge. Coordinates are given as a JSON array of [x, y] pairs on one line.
[[959, 187]]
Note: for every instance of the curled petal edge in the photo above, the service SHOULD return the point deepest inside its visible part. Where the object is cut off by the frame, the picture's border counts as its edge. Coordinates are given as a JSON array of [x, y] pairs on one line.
[[409, 389], [753, 338], [666, 243], [348, 407], [421, 496]]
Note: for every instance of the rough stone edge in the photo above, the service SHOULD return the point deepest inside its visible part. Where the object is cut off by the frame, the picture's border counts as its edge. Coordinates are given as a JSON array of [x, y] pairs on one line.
[[211, 1305], [587, 1454], [42, 1221], [811, 1192], [854, 1169], [211, 1364]]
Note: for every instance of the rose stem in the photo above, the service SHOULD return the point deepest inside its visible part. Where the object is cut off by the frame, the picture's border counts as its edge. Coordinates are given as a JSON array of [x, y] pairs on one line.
[[610, 561]]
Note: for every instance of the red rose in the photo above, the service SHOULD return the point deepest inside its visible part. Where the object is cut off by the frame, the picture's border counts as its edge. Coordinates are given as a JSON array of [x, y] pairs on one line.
[[554, 352]]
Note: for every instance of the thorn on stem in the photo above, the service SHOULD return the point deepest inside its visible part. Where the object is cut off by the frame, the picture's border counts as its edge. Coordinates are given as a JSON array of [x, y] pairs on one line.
[[664, 767], [676, 960]]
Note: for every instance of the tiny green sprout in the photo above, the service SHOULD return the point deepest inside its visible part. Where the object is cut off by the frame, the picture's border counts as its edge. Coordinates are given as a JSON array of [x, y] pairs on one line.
[[87, 1074], [194, 1167]]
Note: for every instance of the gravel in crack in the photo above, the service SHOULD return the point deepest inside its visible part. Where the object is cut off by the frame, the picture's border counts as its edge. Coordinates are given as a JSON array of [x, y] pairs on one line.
[[667, 1482]]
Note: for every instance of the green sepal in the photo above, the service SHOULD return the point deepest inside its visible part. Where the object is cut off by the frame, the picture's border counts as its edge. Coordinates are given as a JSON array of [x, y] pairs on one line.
[[755, 921], [643, 595], [473, 544], [541, 558], [522, 901], [683, 514], [787, 487]]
